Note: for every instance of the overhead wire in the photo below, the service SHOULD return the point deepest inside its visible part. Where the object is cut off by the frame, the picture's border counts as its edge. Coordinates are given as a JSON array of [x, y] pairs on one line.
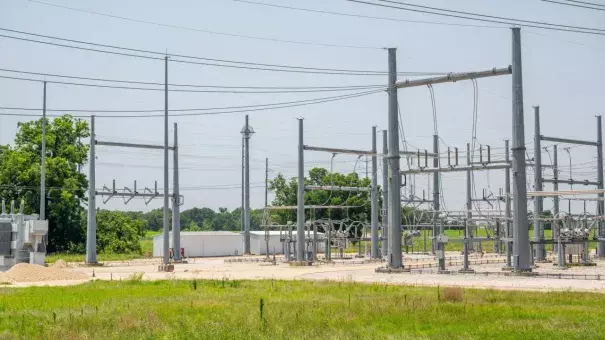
[[245, 108], [194, 85], [189, 90], [592, 6], [554, 27]]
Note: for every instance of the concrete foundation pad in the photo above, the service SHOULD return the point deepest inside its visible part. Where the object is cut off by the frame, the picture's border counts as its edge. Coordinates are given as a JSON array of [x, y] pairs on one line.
[[166, 268], [507, 269], [390, 270], [300, 263]]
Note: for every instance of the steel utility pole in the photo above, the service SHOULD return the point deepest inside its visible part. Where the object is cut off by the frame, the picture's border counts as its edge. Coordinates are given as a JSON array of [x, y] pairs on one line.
[[521, 248], [600, 203], [166, 257], [243, 187], [555, 187], [395, 258], [540, 254], [436, 206], [247, 132], [375, 253], [176, 210], [91, 230], [507, 211], [385, 194], [300, 213], [266, 182], [43, 159], [469, 205]]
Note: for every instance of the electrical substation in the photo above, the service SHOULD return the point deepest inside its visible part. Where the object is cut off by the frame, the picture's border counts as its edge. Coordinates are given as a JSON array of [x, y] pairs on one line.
[[496, 233]]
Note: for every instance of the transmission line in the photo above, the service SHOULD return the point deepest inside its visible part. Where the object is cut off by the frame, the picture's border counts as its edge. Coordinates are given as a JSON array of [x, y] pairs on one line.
[[576, 5], [190, 85], [239, 64], [208, 31], [189, 90], [584, 30], [250, 108]]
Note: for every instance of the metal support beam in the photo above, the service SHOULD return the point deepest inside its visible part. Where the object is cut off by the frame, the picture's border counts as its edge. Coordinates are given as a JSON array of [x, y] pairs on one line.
[[568, 181], [469, 197], [521, 248], [454, 77], [435, 193], [339, 151], [337, 188], [132, 145], [539, 252], [300, 220], [176, 200], [91, 228], [507, 209], [568, 141], [385, 195], [600, 204], [555, 208], [166, 257], [43, 159], [395, 258], [247, 133], [374, 251], [457, 169]]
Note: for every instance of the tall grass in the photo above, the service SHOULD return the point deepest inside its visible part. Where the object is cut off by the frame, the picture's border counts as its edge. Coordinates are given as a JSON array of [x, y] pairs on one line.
[[228, 309]]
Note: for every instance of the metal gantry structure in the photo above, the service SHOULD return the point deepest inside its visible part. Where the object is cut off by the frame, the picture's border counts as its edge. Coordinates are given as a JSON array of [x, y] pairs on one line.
[[128, 194]]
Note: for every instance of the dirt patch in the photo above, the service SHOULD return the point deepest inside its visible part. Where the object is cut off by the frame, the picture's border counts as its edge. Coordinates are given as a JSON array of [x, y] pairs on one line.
[[24, 272], [60, 264]]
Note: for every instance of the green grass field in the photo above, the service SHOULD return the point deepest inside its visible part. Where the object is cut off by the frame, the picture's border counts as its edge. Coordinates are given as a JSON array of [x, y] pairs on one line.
[[223, 309]]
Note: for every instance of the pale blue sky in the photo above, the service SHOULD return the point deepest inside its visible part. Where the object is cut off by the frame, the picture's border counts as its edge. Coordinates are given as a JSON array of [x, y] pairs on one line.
[[563, 73]]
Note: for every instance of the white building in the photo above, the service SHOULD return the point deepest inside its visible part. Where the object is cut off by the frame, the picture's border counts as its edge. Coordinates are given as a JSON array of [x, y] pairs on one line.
[[203, 243], [225, 243]]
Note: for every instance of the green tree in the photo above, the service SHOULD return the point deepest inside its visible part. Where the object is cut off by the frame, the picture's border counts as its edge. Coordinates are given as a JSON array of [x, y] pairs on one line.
[[66, 186], [286, 195], [192, 226], [118, 233]]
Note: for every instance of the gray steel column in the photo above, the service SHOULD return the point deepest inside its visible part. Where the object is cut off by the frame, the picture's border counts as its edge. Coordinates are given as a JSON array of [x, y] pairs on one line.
[[385, 194], [375, 252], [247, 189], [600, 203], [91, 230], [507, 211], [469, 197], [555, 187], [243, 190], [176, 210], [521, 248], [395, 260], [43, 159], [436, 206], [538, 226], [300, 218], [166, 257], [465, 246]]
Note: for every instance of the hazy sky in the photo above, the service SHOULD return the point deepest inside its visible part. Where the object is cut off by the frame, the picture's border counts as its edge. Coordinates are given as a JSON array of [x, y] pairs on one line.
[[563, 73]]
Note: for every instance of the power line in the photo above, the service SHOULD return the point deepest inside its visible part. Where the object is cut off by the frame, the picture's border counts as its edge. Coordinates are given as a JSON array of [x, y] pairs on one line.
[[246, 65], [586, 3], [265, 108], [207, 31], [188, 90], [189, 85], [477, 19], [576, 5], [363, 16], [492, 16]]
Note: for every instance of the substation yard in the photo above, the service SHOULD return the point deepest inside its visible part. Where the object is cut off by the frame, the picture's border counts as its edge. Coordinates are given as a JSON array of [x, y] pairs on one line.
[[488, 272]]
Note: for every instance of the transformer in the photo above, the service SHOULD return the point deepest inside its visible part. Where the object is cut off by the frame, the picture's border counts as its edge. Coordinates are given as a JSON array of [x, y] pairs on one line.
[[21, 238]]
